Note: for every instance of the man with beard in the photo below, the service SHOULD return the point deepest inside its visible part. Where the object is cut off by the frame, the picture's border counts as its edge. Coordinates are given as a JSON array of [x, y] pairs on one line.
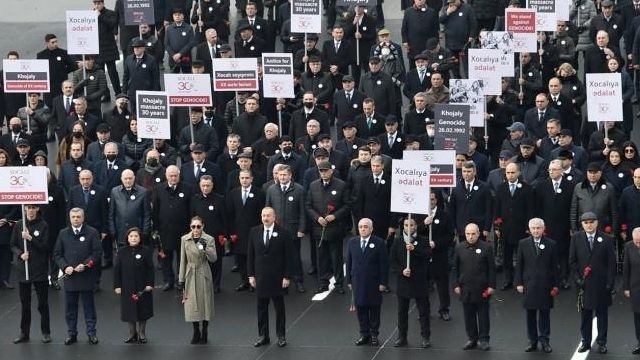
[[300, 117]]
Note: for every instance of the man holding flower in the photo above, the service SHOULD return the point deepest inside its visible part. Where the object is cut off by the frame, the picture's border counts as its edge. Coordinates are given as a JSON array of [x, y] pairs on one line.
[[592, 257]]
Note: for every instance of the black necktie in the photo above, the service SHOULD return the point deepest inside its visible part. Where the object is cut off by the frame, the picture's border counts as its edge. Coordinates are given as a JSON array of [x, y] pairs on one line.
[[266, 239], [86, 196], [67, 104], [540, 115], [110, 167]]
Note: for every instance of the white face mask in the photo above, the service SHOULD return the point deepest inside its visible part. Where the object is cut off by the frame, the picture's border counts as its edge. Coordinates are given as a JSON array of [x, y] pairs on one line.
[[431, 132]]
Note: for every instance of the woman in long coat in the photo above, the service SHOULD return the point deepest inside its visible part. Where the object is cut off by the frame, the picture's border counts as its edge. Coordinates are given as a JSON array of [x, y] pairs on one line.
[[197, 250], [133, 280]]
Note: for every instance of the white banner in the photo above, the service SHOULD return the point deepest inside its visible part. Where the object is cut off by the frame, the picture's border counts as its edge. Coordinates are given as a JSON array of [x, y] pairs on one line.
[[546, 19], [469, 92], [277, 75], [441, 163], [306, 16], [23, 185], [153, 115], [188, 89], [563, 9], [82, 32], [503, 41], [604, 97], [485, 65], [522, 24], [26, 75], [409, 187], [235, 74]]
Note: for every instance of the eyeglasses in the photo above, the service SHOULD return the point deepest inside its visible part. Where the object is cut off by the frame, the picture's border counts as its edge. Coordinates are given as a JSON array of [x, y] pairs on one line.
[[629, 151], [196, 226]]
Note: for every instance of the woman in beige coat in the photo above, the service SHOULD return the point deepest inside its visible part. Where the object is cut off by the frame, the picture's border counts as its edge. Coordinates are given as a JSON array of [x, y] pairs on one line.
[[197, 249]]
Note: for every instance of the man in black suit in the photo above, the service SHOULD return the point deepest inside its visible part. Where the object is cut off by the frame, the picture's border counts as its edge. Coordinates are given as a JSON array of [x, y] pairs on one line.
[[61, 106], [244, 205], [367, 268], [592, 258], [107, 172], [9, 141], [347, 103], [258, 24], [309, 110], [208, 50], [564, 104], [370, 123], [192, 171], [535, 119], [537, 278], [392, 141], [630, 281], [418, 78], [80, 113], [141, 72], [415, 120], [514, 207], [269, 270], [552, 198], [60, 65], [372, 199], [338, 52], [471, 202], [350, 142], [71, 168], [597, 55], [474, 283], [248, 45]]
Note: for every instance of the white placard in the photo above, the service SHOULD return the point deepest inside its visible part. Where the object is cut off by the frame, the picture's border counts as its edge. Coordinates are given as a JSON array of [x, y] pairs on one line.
[[235, 74], [522, 24], [82, 32], [23, 185], [153, 115], [503, 41], [277, 75], [26, 75], [546, 19], [409, 187], [469, 92], [306, 16], [563, 10], [188, 89], [604, 97], [485, 65], [442, 165]]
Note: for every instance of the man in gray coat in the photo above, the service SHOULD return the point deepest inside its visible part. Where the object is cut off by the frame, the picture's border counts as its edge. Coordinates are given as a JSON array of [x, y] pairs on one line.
[[129, 207], [287, 200], [597, 195]]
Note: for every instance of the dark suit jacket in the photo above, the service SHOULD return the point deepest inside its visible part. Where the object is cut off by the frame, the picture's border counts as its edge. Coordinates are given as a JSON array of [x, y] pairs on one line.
[[243, 217], [58, 113], [595, 60], [253, 48], [96, 211], [554, 208], [106, 178], [631, 274], [343, 58], [415, 286], [413, 85], [203, 54], [344, 110], [536, 270], [470, 207], [374, 201], [271, 262], [188, 175], [602, 260], [394, 151], [144, 76], [474, 270], [298, 123], [415, 123], [6, 143], [514, 210], [70, 251], [538, 129], [377, 125], [366, 271]]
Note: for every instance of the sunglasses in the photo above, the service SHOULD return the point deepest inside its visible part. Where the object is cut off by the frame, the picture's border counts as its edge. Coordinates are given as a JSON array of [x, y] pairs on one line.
[[630, 151], [196, 226]]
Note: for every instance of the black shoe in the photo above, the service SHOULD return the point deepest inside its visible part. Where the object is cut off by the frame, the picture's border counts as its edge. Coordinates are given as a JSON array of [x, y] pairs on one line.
[[584, 347], [602, 349], [93, 340], [506, 286], [312, 271], [546, 348], [71, 340], [375, 341], [282, 342], [363, 340], [484, 346], [21, 339], [636, 351], [131, 339], [107, 264], [262, 341], [322, 289], [243, 287], [167, 287], [235, 268], [204, 336], [300, 288], [142, 340], [46, 338], [5, 284], [426, 343], [470, 345], [340, 290], [445, 316], [196, 336], [531, 348], [401, 341]]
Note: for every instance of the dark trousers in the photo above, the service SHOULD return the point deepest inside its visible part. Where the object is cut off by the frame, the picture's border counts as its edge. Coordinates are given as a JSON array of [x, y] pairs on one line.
[[563, 260], [241, 260], [263, 315], [5, 262], [444, 297], [297, 260], [54, 270], [369, 320], [107, 248], [636, 324], [113, 76], [476, 320], [168, 274], [71, 311], [216, 267], [586, 320], [422, 304], [538, 326], [330, 260], [313, 253], [507, 257], [42, 293]]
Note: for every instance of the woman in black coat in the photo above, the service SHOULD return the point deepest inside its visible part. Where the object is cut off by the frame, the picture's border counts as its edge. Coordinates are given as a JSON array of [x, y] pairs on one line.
[[631, 156], [133, 281], [617, 172]]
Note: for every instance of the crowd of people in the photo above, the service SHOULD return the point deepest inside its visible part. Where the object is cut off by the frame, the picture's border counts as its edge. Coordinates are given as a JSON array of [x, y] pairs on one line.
[[544, 196]]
